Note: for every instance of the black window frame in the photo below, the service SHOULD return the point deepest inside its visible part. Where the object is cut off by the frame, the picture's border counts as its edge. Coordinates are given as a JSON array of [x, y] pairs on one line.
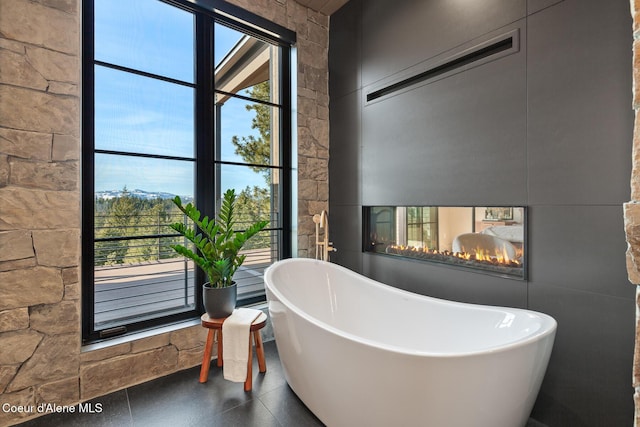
[[207, 13]]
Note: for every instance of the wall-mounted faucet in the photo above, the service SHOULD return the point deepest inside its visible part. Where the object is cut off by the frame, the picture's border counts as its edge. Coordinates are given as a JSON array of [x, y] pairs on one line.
[[323, 245]]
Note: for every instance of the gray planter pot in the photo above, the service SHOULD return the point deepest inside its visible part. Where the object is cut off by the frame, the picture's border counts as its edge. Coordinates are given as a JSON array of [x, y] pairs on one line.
[[219, 302]]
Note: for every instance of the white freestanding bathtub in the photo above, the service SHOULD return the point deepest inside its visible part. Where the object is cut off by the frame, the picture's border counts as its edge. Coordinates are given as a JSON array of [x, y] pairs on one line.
[[361, 353]]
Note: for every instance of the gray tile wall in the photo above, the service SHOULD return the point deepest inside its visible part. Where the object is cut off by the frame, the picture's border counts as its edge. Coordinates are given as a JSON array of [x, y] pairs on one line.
[[549, 127], [466, 130]]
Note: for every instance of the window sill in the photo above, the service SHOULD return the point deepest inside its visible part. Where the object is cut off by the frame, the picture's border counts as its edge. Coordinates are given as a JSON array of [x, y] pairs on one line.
[[261, 305], [139, 335]]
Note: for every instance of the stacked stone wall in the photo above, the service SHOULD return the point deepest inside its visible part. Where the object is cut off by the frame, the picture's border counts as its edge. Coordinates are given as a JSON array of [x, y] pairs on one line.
[[632, 208], [41, 358]]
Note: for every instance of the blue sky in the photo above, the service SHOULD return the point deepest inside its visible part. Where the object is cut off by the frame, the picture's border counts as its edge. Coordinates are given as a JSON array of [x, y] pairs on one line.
[[139, 114]]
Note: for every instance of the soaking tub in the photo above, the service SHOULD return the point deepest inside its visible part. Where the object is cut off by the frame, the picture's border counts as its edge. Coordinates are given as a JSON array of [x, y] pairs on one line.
[[361, 353]]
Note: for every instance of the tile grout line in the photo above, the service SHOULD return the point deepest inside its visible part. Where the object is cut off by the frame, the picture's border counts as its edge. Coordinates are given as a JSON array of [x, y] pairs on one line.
[[267, 408], [126, 393]]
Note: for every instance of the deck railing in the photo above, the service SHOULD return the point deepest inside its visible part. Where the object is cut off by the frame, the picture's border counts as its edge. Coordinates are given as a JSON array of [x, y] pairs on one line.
[[138, 276]]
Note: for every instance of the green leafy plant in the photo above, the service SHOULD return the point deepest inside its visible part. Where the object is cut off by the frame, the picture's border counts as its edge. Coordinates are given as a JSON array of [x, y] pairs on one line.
[[217, 244]]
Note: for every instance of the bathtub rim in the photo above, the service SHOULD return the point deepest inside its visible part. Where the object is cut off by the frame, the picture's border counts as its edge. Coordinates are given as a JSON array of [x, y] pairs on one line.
[[548, 323]]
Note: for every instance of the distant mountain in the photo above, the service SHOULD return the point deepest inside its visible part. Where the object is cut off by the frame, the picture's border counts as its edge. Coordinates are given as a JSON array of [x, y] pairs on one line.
[[140, 194]]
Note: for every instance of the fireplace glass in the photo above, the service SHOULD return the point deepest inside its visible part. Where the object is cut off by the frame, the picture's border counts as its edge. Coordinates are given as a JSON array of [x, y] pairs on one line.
[[487, 239]]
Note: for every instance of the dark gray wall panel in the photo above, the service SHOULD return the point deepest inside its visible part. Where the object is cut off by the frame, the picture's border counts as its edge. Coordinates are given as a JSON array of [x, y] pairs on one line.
[[444, 282], [344, 161], [579, 247], [345, 228], [588, 381], [402, 33], [534, 6], [344, 232], [455, 141], [580, 117], [345, 50], [349, 259]]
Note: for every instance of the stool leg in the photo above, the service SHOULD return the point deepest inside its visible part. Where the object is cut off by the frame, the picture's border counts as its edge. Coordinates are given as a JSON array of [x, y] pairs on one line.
[[248, 381], [260, 351], [220, 348], [206, 358]]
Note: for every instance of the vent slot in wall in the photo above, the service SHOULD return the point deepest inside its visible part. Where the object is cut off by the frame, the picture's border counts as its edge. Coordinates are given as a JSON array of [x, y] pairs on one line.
[[480, 54]]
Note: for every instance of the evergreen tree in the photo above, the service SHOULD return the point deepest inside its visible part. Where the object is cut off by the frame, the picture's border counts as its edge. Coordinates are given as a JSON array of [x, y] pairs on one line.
[[120, 222], [253, 204], [257, 150], [128, 216]]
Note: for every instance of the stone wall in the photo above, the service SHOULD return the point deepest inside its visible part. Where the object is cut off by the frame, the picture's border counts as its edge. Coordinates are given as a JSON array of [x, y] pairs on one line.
[[632, 208], [41, 360]]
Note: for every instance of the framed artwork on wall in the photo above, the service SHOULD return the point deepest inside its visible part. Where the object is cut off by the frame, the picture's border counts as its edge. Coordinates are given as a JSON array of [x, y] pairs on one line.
[[498, 214]]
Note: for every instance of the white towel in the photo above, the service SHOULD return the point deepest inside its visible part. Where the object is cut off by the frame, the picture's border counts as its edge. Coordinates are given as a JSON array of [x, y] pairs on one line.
[[235, 343]]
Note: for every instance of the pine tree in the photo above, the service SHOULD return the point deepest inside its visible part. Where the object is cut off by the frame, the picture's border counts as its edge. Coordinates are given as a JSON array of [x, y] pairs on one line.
[[257, 150], [254, 203], [120, 222]]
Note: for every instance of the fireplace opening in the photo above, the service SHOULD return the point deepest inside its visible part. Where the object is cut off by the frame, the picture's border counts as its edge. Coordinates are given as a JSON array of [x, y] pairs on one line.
[[485, 239]]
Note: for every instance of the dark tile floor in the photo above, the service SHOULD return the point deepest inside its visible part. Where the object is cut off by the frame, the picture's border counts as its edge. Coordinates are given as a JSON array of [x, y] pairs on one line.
[[179, 400]]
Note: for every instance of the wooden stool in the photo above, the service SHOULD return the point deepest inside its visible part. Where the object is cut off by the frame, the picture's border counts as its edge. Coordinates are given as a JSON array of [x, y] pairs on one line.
[[215, 326]]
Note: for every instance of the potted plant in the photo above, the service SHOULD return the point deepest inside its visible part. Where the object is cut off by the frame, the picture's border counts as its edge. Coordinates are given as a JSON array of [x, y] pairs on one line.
[[217, 251]]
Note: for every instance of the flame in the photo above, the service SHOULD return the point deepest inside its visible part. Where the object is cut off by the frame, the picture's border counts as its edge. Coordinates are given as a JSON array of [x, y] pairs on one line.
[[477, 254], [499, 256]]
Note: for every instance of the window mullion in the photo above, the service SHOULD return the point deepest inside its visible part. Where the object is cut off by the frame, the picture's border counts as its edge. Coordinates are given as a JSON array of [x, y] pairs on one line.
[[205, 123], [88, 109], [286, 149]]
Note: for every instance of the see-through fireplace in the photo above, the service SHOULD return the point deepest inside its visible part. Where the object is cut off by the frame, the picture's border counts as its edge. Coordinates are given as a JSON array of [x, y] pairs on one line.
[[487, 239]]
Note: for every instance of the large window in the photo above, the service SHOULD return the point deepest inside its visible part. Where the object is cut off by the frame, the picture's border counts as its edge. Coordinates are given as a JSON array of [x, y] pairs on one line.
[[179, 99]]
